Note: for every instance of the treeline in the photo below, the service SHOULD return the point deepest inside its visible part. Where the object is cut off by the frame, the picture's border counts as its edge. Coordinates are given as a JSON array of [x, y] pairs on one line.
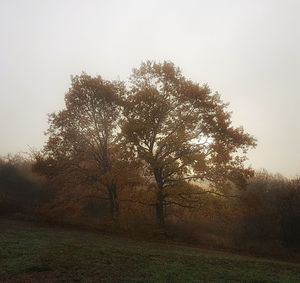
[[271, 211], [157, 153], [263, 218], [21, 190]]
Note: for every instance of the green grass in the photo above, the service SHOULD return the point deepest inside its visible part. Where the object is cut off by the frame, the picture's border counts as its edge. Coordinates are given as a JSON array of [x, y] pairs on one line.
[[33, 253]]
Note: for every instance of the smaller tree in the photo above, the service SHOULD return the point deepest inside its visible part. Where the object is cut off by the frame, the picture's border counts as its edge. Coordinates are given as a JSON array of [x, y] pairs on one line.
[[82, 141]]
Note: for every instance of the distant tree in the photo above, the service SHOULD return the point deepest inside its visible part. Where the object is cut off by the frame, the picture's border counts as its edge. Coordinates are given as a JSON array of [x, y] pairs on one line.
[[20, 189], [184, 135], [288, 203], [270, 211], [82, 138]]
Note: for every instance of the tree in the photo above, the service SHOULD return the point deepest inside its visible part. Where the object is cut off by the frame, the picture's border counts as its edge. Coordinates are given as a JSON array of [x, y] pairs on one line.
[[184, 135], [82, 138]]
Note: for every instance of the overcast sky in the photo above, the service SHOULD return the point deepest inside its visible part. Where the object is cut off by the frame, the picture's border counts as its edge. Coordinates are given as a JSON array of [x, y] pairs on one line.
[[249, 51]]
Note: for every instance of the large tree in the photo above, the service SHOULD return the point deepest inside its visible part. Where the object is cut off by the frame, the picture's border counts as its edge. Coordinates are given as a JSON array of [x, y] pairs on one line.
[[82, 138], [184, 135]]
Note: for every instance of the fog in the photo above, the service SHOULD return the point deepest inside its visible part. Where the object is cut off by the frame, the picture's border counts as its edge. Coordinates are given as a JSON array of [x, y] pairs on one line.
[[248, 51]]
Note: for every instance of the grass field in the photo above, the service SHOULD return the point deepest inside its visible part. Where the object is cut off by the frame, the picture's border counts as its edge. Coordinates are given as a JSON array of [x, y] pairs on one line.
[[34, 253]]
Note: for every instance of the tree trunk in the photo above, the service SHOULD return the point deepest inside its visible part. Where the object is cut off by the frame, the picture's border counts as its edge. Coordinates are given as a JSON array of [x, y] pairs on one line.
[[113, 202], [160, 215]]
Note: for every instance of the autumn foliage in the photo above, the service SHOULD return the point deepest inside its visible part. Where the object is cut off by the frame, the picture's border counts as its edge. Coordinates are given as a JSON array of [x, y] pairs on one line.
[[163, 138]]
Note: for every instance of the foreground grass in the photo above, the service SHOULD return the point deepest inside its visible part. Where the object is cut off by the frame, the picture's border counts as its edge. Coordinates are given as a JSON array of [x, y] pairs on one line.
[[32, 253]]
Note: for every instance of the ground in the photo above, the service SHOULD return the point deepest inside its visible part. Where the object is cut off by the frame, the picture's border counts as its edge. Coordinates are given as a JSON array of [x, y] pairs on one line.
[[35, 253]]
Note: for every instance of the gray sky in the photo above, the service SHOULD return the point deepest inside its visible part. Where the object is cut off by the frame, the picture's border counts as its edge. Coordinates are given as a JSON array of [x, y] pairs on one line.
[[249, 51]]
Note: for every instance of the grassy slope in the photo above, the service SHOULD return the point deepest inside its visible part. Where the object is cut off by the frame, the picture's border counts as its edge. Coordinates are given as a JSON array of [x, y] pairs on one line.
[[32, 253]]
